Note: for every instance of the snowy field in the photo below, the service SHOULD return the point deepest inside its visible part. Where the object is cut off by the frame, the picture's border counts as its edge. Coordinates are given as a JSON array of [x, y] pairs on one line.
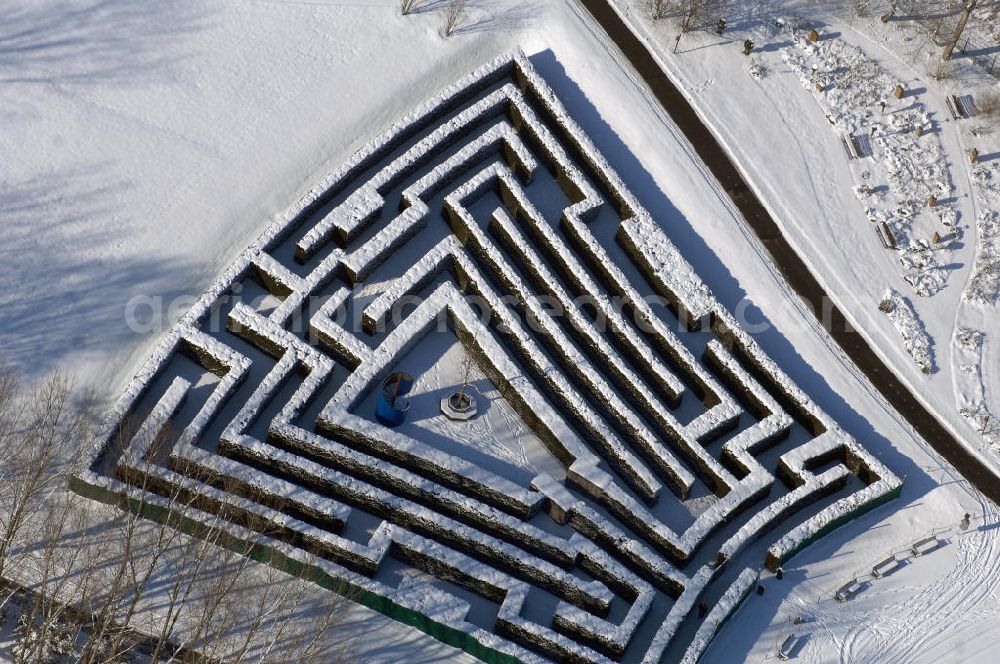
[[146, 147]]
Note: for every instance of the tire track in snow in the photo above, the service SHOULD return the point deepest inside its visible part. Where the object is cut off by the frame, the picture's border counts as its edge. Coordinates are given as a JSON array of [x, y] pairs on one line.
[[900, 632], [977, 569]]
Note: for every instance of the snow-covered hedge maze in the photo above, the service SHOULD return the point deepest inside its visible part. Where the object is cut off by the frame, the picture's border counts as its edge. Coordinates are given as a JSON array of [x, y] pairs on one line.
[[673, 444]]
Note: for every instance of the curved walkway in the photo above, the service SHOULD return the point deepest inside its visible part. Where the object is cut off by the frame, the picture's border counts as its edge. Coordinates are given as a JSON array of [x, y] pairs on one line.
[[791, 266]]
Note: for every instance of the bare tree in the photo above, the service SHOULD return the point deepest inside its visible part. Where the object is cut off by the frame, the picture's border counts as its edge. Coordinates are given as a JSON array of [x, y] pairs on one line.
[[659, 8], [42, 432], [188, 569], [968, 7], [102, 578], [142, 550], [138, 553], [407, 6], [926, 19], [313, 634], [217, 606], [312, 637], [275, 620], [988, 105], [691, 13], [888, 16], [861, 7], [58, 572], [454, 15], [695, 14]]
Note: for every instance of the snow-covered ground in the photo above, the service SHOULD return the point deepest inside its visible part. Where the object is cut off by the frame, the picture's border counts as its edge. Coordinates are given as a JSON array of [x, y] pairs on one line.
[[145, 145], [792, 139]]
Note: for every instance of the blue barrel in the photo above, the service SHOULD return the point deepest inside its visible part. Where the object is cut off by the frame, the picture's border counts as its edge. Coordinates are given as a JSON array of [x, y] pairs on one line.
[[392, 404]]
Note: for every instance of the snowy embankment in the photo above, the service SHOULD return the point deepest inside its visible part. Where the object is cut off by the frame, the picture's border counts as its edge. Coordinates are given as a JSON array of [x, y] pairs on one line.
[[984, 284], [973, 344], [903, 148], [916, 341], [968, 346], [899, 166], [985, 281]]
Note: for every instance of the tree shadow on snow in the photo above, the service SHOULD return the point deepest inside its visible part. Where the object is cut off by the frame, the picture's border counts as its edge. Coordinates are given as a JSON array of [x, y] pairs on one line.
[[395, 644], [107, 40], [980, 52], [486, 19], [64, 283], [772, 46], [428, 6]]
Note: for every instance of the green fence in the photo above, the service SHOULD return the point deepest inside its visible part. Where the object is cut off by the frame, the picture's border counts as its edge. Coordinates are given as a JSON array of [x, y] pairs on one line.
[[773, 562], [312, 573], [315, 574]]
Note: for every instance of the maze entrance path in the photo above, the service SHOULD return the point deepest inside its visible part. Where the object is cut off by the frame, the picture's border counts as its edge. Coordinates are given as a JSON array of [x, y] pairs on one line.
[[660, 443]]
